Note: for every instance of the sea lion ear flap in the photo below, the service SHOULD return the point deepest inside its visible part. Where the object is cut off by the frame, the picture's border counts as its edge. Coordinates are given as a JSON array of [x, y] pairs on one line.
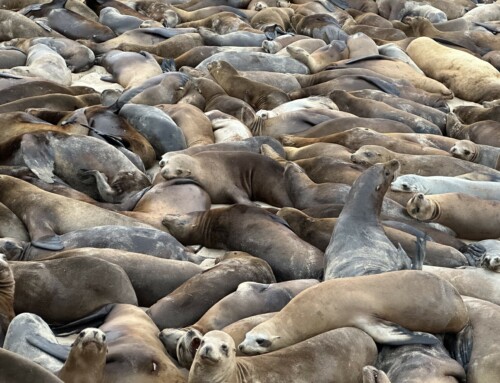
[[38, 155], [394, 165]]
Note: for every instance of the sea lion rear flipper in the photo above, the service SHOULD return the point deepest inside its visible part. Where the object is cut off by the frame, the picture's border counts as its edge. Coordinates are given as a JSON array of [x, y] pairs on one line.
[[392, 334], [168, 65], [38, 155], [94, 319], [56, 350], [53, 243], [473, 252], [460, 345]]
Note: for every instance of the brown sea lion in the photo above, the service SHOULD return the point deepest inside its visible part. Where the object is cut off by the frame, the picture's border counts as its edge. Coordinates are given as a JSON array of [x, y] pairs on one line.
[[469, 114], [11, 226], [216, 359], [227, 228], [482, 132], [480, 154], [317, 310], [479, 221], [187, 304], [17, 369], [257, 95], [7, 297], [239, 176]]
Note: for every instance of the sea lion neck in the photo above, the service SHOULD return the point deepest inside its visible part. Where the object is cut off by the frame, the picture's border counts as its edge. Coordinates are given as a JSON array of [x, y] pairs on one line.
[[436, 211]]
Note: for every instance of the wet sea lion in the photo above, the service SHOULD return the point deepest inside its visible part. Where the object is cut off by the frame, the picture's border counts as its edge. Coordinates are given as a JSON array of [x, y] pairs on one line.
[[227, 228], [478, 221], [242, 174], [359, 245], [187, 304], [292, 324], [216, 359]]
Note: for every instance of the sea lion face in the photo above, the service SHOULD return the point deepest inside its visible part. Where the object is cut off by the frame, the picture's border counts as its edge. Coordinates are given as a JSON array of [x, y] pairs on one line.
[[256, 343], [407, 183], [491, 261], [5, 272], [187, 346], [91, 341], [464, 150], [420, 207], [125, 182], [178, 166], [12, 248], [370, 154], [218, 69], [216, 347]]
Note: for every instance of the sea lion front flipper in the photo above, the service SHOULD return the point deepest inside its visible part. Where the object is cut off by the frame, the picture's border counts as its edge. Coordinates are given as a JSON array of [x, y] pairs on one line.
[[460, 345], [168, 65], [43, 23], [38, 155], [418, 260], [52, 242], [94, 319], [374, 375], [56, 350], [392, 334], [8, 75], [474, 252], [107, 78]]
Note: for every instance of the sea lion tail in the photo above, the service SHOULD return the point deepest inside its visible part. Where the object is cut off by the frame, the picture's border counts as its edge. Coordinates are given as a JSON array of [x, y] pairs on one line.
[[474, 252]]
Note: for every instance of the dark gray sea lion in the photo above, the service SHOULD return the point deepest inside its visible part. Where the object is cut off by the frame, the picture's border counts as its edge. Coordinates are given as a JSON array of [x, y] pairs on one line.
[[359, 245], [77, 159], [160, 130], [227, 228], [87, 291], [187, 304], [142, 240], [242, 172], [366, 294], [11, 57], [471, 114]]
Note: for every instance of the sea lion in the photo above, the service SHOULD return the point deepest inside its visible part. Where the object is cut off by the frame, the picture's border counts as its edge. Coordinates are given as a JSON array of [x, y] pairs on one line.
[[479, 154], [359, 245], [471, 281], [478, 221], [470, 114], [88, 164], [43, 62], [257, 95], [249, 299], [158, 128], [17, 369], [321, 26], [427, 165], [419, 363], [61, 102], [7, 297], [312, 102], [87, 357], [227, 228], [320, 58], [272, 17], [479, 81], [394, 317], [398, 10], [195, 126], [242, 174], [216, 359], [187, 304], [89, 288], [130, 69], [355, 138], [151, 277], [318, 232], [479, 342], [228, 128], [412, 183], [120, 23], [25, 27], [60, 214], [481, 132], [317, 149], [237, 38], [372, 108], [490, 260]]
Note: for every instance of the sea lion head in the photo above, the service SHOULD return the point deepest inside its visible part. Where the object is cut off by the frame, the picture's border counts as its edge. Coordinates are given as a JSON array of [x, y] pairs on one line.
[[216, 347], [491, 261], [257, 342], [465, 150], [408, 183], [270, 46], [5, 271], [220, 68], [390, 169], [420, 207], [178, 166], [90, 341], [371, 154], [12, 248]]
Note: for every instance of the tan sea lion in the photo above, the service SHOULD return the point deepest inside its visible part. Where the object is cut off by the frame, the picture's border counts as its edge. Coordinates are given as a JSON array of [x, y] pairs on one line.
[[318, 309], [480, 154], [216, 360], [478, 221], [470, 114], [478, 80], [430, 165], [482, 132]]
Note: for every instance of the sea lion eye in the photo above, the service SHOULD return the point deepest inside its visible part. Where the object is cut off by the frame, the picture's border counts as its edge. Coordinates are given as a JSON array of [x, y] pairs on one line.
[[104, 338], [263, 342], [387, 173], [405, 186], [82, 334], [369, 154], [179, 171], [466, 152], [224, 348]]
